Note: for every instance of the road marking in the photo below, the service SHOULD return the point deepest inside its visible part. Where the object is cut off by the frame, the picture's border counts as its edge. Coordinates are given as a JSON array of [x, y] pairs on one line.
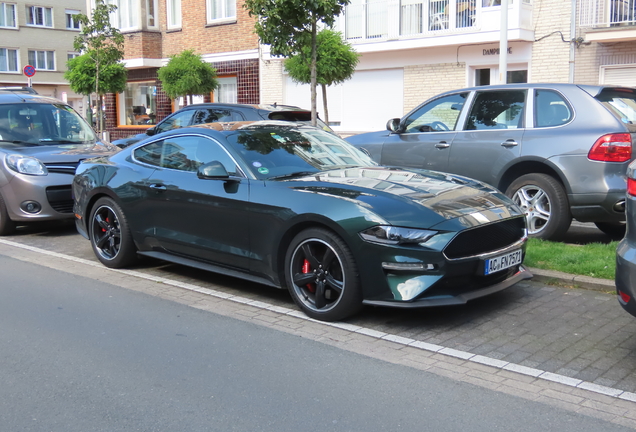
[[474, 358]]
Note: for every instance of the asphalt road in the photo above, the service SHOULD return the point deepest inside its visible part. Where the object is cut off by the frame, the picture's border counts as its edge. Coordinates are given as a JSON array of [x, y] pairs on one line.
[[83, 355], [576, 333]]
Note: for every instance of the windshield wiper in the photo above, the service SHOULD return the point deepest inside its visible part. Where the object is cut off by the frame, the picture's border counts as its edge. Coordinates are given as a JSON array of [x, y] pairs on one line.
[[60, 141], [18, 142], [295, 174]]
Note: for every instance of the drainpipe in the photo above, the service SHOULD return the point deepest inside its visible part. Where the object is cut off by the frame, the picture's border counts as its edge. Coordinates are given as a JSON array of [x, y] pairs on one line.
[[503, 43], [572, 44]]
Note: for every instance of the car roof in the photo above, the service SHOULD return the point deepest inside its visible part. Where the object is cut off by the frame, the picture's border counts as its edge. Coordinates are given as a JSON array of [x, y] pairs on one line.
[[272, 107], [591, 89], [8, 97]]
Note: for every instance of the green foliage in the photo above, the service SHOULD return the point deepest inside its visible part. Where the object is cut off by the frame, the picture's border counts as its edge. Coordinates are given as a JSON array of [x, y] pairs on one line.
[[594, 259], [82, 73], [286, 25], [187, 74], [336, 60]]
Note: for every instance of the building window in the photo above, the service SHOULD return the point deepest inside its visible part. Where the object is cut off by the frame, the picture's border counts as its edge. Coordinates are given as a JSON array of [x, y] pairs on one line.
[[39, 16], [42, 60], [138, 104], [8, 60], [7, 15], [227, 90], [221, 10], [151, 13], [71, 20], [174, 13], [72, 55], [126, 17]]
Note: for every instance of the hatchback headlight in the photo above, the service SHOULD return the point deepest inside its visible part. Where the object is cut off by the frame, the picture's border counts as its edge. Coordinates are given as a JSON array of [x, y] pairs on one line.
[[26, 165], [390, 235]]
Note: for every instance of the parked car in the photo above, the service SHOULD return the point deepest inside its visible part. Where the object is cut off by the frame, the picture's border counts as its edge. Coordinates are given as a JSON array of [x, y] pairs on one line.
[[223, 112], [42, 141], [293, 206], [626, 252], [560, 151]]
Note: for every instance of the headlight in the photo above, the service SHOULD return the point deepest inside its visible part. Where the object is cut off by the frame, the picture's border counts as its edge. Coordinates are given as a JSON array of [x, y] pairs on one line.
[[26, 165], [390, 235]]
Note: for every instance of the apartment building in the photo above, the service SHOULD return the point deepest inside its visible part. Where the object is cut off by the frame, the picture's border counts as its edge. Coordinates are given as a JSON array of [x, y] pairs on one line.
[[414, 49], [220, 30], [40, 34]]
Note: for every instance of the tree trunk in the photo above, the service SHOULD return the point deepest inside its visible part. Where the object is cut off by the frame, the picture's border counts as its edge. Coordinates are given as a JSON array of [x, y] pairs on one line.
[[324, 102], [314, 115], [100, 120]]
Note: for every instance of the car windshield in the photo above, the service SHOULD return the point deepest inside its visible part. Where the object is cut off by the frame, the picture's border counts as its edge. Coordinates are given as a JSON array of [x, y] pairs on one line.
[[621, 102], [284, 151], [42, 124]]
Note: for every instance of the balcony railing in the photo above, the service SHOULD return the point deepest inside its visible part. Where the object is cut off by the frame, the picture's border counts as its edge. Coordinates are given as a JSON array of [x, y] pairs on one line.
[[607, 13], [373, 20]]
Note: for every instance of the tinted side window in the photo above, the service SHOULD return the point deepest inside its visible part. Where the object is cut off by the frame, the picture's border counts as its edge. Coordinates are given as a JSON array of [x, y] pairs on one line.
[[497, 110], [213, 115], [550, 109], [185, 153], [439, 115], [178, 120]]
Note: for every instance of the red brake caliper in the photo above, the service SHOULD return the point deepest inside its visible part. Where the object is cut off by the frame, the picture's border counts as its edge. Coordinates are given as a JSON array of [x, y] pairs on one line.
[[306, 269], [104, 229]]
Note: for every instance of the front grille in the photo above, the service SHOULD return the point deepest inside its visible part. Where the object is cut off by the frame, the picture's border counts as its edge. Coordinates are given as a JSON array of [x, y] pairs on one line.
[[60, 198], [486, 238], [62, 167]]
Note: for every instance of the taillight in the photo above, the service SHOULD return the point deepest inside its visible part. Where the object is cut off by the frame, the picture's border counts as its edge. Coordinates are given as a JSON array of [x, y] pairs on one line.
[[624, 297], [612, 148], [631, 187]]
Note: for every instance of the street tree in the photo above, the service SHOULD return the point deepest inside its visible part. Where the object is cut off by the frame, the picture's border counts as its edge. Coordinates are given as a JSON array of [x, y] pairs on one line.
[[288, 25], [336, 62], [99, 68], [186, 74]]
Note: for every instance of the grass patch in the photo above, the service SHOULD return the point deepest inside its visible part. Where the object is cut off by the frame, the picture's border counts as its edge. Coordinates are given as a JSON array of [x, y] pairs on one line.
[[595, 259]]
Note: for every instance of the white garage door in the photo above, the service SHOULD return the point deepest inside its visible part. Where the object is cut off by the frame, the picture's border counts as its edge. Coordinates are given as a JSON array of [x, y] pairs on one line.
[[622, 76], [362, 104]]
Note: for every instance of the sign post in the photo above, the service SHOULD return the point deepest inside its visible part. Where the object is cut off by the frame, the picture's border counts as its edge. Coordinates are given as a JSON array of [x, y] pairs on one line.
[[29, 71]]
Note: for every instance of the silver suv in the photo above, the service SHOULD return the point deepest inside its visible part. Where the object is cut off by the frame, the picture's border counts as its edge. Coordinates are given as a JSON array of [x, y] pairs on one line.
[[560, 151]]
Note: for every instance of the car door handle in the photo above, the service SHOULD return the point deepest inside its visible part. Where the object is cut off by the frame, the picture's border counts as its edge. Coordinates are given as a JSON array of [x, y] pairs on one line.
[[442, 145], [510, 143], [158, 187]]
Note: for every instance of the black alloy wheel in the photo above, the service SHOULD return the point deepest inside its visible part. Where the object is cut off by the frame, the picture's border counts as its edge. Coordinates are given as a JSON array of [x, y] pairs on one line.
[[322, 275], [110, 236], [7, 226], [545, 203]]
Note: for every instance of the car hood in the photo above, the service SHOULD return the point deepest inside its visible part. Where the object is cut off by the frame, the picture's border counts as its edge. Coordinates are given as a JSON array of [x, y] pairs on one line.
[[413, 198], [64, 152]]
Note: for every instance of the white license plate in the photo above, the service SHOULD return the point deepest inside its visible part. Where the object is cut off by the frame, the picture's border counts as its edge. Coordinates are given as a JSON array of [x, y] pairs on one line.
[[503, 262]]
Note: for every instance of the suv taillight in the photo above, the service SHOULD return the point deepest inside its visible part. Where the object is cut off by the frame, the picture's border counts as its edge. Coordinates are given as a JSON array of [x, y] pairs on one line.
[[612, 148], [631, 187]]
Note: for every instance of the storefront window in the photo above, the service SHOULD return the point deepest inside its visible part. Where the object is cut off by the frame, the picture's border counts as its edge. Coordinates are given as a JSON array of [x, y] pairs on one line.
[[138, 104]]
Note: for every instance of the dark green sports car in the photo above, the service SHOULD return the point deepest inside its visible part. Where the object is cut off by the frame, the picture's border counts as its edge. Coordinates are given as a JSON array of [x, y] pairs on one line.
[[292, 206]]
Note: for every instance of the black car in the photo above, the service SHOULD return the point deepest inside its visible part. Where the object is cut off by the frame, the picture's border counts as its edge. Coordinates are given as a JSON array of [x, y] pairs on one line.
[[223, 112], [292, 206]]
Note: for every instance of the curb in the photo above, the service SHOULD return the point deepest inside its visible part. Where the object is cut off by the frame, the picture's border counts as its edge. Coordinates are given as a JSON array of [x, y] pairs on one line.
[[553, 277]]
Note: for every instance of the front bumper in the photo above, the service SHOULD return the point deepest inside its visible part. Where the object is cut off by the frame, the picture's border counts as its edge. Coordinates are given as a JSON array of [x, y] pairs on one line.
[[51, 192]]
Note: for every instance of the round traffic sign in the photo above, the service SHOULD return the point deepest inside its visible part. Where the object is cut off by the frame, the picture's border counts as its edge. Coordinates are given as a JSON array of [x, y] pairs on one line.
[[29, 71]]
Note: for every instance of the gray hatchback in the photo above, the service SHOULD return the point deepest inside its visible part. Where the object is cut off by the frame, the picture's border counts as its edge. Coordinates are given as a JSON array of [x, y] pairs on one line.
[[560, 151], [42, 140]]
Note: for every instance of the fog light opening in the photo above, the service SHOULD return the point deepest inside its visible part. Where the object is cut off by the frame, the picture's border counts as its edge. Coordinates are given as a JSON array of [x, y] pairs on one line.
[[623, 297], [408, 266], [31, 207]]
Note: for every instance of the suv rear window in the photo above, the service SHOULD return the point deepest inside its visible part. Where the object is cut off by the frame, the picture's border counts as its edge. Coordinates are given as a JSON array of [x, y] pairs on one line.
[[620, 102]]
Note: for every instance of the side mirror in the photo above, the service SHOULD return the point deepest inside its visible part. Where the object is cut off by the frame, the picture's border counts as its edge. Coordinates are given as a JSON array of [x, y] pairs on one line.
[[393, 125], [151, 131], [212, 170]]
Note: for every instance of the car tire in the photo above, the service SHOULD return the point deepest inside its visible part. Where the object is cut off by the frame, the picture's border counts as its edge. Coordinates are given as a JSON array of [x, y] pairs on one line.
[[322, 276], [110, 235], [615, 230], [545, 203], [7, 226]]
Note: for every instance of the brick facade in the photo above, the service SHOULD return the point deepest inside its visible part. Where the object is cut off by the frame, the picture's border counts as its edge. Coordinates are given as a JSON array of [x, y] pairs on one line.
[[550, 53], [422, 82]]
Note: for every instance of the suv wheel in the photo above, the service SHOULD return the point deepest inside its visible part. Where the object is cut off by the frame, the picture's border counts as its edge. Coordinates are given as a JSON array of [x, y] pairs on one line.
[[7, 226], [614, 230], [545, 203]]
